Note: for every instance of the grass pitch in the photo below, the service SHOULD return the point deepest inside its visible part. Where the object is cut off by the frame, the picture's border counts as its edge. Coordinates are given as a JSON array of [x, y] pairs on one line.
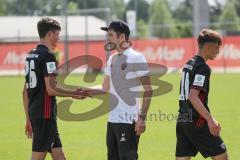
[[85, 140]]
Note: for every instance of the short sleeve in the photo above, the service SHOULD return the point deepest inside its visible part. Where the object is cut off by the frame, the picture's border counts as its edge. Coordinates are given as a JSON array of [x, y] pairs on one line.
[[49, 65], [107, 69], [141, 66], [201, 78]]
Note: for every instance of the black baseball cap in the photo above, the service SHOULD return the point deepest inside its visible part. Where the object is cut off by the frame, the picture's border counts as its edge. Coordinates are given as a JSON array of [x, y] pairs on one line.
[[118, 26]]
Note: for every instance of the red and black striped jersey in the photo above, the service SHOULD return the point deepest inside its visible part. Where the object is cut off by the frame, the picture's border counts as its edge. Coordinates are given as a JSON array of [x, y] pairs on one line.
[[195, 74], [38, 64]]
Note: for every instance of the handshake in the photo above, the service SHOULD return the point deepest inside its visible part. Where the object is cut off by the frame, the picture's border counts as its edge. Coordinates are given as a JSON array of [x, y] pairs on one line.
[[81, 93]]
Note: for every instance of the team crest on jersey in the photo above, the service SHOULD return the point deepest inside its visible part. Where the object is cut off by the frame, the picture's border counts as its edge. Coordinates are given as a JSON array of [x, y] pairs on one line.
[[199, 80], [124, 66], [51, 67]]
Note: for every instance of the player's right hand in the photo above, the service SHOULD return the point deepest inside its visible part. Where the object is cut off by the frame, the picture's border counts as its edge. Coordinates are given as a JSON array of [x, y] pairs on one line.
[[140, 126], [214, 127], [28, 129], [82, 94]]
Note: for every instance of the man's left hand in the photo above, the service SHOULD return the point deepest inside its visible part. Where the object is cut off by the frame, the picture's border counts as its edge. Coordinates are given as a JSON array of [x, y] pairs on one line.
[[140, 126]]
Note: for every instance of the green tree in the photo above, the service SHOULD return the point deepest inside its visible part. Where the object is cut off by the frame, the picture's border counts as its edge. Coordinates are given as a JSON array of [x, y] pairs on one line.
[[117, 8], [215, 11], [3, 8], [142, 29], [30, 7], [72, 6], [184, 28], [237, 5], [183, 11], [51, 7], [23, 7], [229, 19], [142, 9], [162, 23], [84, 4], [182, 14]]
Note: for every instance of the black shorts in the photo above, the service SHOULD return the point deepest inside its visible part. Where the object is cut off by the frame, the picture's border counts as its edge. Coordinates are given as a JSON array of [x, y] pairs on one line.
[[122, 141], [192, 139], [45, 135]]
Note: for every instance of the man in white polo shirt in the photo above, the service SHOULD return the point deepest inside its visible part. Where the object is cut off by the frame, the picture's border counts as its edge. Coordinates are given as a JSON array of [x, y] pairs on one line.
[[125, 73]]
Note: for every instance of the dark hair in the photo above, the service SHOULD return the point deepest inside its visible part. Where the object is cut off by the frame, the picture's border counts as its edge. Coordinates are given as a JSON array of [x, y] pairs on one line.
[[208, 36], [119, 27], [118, 34], [47, 24]]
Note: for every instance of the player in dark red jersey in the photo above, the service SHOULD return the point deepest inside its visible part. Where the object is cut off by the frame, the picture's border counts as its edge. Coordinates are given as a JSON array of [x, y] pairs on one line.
[[197, 130], [39, 96]]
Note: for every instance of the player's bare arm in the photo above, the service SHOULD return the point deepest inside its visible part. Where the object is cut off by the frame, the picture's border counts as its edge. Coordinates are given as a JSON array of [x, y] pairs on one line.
[[147, 95], [106, 83], [97, 90], [28, 127], [100, 90], [55, 90], [213, 125]]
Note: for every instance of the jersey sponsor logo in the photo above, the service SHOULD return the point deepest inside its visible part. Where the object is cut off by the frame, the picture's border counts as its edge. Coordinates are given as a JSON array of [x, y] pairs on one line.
[[199, 80], [51, 67]]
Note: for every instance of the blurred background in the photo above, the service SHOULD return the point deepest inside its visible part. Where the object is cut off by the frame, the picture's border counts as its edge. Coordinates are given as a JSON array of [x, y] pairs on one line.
[[163, 30]]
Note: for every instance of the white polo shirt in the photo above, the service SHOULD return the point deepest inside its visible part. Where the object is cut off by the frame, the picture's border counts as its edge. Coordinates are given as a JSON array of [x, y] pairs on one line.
[[124, 71]]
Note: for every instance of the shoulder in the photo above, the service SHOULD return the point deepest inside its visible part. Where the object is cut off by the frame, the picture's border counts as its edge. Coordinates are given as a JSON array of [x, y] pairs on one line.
[[134, 53], [43, 52], [37, 54], [135, 56], [48, 56], [111, 56], [202, 68], [198, 63], [202, 65]]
